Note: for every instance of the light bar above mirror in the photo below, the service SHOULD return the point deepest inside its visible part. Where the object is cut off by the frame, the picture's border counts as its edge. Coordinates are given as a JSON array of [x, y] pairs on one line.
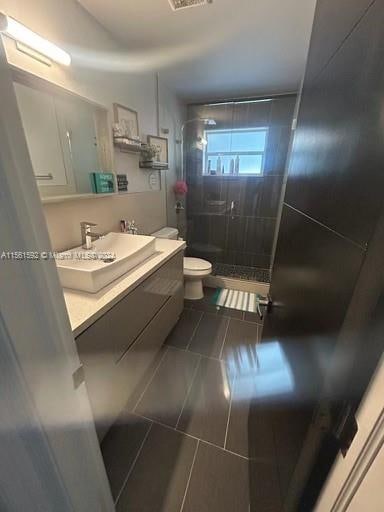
[[20, 33]]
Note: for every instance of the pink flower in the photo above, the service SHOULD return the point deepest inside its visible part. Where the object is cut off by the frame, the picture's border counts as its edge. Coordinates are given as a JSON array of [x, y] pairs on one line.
[[180, 188]]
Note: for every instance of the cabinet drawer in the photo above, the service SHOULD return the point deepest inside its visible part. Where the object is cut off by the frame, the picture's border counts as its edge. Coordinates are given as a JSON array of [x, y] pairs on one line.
[[118, 348], [99, 369], [133, 313], [132, 367]]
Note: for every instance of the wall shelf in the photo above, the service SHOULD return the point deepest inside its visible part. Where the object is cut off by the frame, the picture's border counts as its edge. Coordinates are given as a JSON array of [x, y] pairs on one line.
[[227, 176], [75, 197], [154, 166], [127, 145]]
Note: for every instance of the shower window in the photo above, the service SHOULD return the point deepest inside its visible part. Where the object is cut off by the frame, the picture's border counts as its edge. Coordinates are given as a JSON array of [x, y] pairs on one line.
[[239, 152]]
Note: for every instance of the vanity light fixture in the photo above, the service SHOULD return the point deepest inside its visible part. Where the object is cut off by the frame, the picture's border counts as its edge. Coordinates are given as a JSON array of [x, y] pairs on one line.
[[20, 33]]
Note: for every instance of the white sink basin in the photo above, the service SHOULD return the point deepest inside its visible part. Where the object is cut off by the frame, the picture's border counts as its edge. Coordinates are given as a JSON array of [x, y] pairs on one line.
[[79, 269]]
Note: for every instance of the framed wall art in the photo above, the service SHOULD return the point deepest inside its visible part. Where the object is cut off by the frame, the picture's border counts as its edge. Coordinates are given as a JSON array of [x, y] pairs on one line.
[[128, 121], [162, 144]]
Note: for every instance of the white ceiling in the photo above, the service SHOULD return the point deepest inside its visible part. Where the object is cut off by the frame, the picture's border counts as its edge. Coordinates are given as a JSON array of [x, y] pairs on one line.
[[230, 48]]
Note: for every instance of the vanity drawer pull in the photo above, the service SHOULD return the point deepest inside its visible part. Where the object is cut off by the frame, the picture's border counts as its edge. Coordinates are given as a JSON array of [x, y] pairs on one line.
[[47, 176], [78, 377]]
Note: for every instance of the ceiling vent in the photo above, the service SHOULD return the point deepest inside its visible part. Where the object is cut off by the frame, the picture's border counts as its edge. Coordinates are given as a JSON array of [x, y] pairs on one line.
[[184, 4]]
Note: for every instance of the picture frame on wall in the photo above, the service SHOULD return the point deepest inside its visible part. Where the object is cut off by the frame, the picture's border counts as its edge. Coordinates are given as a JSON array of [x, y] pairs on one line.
[[162, 144], [128, 121]]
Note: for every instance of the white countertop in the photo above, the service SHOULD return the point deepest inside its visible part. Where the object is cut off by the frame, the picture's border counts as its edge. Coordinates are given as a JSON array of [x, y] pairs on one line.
[[85, 308]]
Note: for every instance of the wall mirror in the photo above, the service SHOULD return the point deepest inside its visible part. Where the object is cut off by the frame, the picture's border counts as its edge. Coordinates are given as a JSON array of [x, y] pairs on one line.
[[67, 137]]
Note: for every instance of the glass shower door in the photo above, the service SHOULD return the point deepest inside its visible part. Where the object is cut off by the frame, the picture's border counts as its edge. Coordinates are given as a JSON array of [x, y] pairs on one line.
[[235, 171]]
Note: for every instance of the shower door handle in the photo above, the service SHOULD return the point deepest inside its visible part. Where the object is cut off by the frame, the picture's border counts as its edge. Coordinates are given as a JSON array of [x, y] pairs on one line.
[[232, 209], [266, 301]]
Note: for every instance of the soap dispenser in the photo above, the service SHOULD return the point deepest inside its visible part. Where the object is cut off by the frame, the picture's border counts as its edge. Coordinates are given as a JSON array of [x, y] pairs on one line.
[[123, 226]]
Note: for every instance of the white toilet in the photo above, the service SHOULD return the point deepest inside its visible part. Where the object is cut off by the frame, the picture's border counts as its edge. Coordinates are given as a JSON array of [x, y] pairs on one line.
[[195, 269]]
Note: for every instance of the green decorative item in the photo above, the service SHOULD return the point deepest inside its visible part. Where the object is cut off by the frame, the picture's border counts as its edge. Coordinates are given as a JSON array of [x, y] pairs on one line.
[[103, 182]]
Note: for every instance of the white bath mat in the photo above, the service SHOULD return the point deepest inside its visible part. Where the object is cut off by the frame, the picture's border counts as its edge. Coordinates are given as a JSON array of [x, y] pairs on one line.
[[235, 299]]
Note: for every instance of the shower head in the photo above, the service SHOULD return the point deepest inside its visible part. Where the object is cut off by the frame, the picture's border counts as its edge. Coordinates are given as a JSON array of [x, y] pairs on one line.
[[184, 4]]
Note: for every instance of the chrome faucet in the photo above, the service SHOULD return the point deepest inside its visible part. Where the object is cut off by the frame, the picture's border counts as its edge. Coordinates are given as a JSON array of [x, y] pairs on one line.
[[131, 228], [87, 236]]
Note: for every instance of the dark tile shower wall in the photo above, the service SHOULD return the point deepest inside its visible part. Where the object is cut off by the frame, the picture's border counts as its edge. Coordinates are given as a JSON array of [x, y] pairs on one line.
[[243, 236]]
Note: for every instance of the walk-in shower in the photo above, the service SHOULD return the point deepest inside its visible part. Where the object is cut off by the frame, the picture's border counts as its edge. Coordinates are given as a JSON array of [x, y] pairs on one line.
[[234, 170]]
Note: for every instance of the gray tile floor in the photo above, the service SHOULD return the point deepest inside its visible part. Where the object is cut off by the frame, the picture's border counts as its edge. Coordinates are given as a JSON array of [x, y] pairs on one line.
[[182, 445]]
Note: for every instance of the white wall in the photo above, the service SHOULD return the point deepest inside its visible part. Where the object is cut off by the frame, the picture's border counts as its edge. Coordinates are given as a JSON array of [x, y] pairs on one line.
[[67, 24]]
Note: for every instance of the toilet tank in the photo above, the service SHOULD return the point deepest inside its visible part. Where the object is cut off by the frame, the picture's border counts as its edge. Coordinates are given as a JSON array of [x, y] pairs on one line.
[[170, 233]]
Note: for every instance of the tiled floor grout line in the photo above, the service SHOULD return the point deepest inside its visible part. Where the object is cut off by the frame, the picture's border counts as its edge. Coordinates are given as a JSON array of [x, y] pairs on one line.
[[224, 340], [248, 321], [198, 354], [216, 313], [278, 469], [229, 411], [151, 379], [259, 322], [189, 476], [188, 391], [242, 319], [219, 447], [191, 436], [194, 330], [141, 416], [133, 463], [206, 357]]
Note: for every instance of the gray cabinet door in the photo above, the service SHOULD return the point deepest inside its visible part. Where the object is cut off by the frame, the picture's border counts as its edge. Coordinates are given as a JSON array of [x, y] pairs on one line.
[[118, 348], [133, 313], [99, 369]]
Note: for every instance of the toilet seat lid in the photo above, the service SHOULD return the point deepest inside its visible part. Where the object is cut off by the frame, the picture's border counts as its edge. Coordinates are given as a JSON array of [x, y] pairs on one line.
[[197, 264]]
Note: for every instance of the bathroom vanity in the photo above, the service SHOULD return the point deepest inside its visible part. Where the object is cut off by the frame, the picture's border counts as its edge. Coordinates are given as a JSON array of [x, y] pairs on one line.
[[120, 329]]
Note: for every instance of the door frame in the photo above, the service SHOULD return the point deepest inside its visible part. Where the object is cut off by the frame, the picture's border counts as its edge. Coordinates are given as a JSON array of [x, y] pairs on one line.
[[51, 458], [348, 473]]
